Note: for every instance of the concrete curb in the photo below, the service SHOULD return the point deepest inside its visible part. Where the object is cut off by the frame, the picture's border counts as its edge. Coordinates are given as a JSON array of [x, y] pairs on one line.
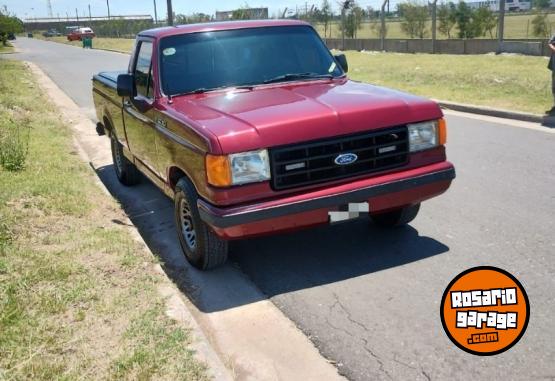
[[499, 113], [109, 50], [176, 306], [80, 47]]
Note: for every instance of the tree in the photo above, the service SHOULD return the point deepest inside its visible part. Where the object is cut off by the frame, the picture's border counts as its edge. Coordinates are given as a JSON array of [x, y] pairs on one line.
[[414, 17], [192, 19], [325, 16], [541, 4], [241, 13], [376, 27], [8, 24], [464, 16], [540, 25], [484, 21], [352, 21], [447, 18]]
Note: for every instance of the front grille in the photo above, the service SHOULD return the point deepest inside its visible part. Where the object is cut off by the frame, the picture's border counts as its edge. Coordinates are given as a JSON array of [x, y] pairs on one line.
[[314, 162]]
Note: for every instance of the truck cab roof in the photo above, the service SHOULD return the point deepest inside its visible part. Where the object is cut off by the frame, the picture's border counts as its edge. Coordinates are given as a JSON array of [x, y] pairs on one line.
[[217, 26]]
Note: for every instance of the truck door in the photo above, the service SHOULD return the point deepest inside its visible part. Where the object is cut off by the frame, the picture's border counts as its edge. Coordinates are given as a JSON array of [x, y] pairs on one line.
[[139, 112]]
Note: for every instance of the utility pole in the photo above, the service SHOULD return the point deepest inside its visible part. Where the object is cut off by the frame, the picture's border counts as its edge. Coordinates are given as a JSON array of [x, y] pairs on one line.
[[49, 6], [90, 16], [382, 28], [155, 14], [501, 25], [108, 5], [434, 17], [77, 15], [170, 13], [343, 7]]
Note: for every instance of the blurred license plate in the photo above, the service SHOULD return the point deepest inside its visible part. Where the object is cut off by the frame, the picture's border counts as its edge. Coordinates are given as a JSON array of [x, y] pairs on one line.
[[348, 212]]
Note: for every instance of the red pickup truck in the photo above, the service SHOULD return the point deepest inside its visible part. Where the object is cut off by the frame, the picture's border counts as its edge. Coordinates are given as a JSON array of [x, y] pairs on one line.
[[253, 127], [79, 34]]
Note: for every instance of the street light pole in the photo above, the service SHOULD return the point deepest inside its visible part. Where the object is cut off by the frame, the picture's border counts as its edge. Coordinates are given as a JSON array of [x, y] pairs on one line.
[[155, 14], [382, 26], [108, 5], [170, 13], [501, 25], [434, 19]]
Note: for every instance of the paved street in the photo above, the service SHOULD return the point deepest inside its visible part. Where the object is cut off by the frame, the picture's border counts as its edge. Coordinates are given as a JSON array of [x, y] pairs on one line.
[[369, 299]]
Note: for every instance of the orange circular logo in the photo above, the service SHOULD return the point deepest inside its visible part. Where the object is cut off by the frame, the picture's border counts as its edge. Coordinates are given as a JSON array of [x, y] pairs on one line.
[[485, 310]]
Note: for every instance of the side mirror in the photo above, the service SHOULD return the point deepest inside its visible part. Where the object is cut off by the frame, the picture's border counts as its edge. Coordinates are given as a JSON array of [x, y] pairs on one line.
[[126, 86], [342, 61]]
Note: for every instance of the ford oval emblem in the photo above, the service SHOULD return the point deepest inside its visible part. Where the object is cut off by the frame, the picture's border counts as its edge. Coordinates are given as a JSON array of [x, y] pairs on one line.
[[346, 159]]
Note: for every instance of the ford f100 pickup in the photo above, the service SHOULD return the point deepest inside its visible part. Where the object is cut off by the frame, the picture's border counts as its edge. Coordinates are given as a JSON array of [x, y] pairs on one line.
[[253, 127]]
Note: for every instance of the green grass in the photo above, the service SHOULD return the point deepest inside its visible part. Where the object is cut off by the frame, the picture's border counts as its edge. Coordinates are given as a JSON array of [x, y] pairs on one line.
[[78, 296], [511, 82], [516, 27], [123, 45], [6, 49]]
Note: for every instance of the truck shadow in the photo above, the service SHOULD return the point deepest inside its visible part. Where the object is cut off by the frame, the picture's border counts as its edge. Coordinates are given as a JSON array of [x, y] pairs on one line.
[[267, 266]]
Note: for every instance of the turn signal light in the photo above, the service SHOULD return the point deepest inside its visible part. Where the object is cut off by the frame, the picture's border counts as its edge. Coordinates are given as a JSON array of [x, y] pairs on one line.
[[218, 170], [442, 131]]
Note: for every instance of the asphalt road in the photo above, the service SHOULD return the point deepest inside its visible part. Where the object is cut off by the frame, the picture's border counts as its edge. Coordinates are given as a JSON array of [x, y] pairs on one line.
[[370, 299]]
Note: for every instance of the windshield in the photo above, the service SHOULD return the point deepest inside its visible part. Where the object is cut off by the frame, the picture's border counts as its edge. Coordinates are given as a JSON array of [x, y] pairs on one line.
[[209, 60]]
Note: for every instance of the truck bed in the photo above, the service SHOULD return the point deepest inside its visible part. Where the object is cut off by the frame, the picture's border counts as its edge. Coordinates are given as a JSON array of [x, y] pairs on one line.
[[108, 103], [108, 78]]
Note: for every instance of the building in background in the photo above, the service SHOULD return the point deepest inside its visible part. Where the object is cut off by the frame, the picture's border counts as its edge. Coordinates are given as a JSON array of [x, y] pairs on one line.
[[253, 13], [510, 5]]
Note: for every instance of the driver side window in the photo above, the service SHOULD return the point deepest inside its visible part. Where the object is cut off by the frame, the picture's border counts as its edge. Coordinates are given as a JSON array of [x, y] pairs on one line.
[[143, 70]]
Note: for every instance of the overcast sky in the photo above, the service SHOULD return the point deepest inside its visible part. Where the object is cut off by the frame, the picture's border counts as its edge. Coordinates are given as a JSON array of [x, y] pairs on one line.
[[38, 8]]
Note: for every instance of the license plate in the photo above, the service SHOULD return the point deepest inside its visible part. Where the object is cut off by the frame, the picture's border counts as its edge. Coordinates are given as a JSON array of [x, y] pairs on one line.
[[348, 212]]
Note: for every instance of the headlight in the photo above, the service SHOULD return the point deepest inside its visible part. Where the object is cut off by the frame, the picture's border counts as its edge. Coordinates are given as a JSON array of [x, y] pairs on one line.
[[426, 135], [238, 168]]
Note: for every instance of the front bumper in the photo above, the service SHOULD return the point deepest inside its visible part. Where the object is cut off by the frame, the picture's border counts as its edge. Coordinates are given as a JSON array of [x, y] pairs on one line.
[[382, 193]]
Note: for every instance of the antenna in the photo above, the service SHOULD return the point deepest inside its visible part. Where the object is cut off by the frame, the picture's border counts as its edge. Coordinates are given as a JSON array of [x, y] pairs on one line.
[[49, 5]]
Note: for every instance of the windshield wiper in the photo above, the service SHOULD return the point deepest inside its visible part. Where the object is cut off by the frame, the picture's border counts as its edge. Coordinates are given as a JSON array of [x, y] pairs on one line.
[[294, 76], [202, 90]]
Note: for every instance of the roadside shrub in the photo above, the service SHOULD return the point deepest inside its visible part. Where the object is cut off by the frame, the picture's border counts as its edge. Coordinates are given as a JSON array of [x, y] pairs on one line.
[[5, 236], [14, 145]]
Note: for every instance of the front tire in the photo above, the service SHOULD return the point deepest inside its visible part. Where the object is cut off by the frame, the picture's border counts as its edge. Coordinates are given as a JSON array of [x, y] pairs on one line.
[[396, 218], [201, 246], [125, 170]]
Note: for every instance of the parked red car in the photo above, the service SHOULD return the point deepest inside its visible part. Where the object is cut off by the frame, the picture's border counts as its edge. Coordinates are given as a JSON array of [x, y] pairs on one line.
[[254, 128], [80, 33]]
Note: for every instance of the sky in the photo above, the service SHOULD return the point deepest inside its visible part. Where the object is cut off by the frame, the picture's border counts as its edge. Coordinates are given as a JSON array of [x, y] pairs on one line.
[[38, 8]]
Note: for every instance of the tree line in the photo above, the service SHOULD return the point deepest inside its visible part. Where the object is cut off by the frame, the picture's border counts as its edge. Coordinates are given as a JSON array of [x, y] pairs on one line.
[[454, 19], [8, 24]]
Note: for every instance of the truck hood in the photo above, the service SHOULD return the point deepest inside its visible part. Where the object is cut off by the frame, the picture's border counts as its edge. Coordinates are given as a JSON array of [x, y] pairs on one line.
[[264, 117]]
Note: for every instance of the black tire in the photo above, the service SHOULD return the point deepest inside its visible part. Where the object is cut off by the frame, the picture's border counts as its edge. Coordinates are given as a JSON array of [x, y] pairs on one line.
[[201, 246], [125, 170], [396, 218]]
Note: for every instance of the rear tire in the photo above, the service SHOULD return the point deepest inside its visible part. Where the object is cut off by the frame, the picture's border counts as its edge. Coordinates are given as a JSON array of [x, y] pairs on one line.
[[125, 170], [201, 246], [396, 218]]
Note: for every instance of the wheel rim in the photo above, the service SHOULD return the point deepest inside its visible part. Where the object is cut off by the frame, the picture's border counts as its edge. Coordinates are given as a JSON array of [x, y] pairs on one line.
[[187, 228], [118, 160]]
